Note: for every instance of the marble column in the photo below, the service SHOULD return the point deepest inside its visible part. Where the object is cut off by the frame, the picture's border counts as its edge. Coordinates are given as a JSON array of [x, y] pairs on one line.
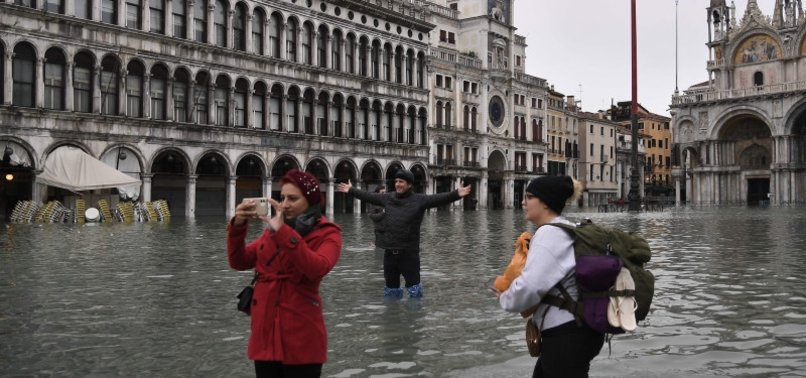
[[356, 201], [7, 77], [39, 101], [330, 196], [190, 197], [146, 195], [68, 95], [231, 181], [96, 90]]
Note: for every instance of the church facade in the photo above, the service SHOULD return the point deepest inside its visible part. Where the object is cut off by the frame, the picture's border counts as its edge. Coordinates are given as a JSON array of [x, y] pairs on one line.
[[740, 136]]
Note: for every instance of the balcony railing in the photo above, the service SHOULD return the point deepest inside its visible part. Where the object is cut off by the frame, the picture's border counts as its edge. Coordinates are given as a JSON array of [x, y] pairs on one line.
[[738, 93]]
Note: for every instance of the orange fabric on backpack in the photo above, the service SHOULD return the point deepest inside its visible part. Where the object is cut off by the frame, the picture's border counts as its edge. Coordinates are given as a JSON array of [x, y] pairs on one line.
[[515, 266]]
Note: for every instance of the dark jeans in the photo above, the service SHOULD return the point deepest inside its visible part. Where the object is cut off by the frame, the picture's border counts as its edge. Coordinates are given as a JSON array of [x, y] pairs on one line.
[[567, 351], [274, 369], [401, 261]]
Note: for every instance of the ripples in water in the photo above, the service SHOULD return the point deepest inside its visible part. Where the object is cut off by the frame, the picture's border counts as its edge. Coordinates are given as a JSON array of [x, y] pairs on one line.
[[158, 300]]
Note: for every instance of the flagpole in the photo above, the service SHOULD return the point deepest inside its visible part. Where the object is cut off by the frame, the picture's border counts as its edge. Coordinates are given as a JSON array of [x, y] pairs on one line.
[[634, 196]]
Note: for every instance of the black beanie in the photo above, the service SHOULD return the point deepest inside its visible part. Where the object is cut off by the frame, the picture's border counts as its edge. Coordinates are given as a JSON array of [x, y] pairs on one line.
[[554, 191], [405, 174]]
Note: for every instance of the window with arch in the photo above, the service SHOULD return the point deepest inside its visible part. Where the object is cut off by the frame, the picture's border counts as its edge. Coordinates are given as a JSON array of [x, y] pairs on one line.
[[201, 99], [241, 93], [82, 82], [158, 92], [257, 32], [259, 106], [2, 69], [82, 9], [54, 79], [156, 10], [439, 114], [110, 68], [275, 107], [321, 46], [399, 66], [420, 70], [448, 115], [222, 87], [24, 75], [292, 104], [335, 56], [466, 118], [54, 6], [275, 29], [180, 95], [758, 78], [109, 11], [362, 57], [387, 57], [178, 17], [474, 115], [26, 3], [220, 23], [291, 40], [134, 90], [374, 60], [239, 27], [307, 43], [409, 68], [200, 21], [133, 20], [349, 56]]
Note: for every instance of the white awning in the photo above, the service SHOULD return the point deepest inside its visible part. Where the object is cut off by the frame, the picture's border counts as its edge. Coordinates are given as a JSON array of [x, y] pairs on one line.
[[72, 169]]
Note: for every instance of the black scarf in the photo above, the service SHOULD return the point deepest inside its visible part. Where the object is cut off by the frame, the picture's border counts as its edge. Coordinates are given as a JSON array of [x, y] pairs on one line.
[[307, 221]]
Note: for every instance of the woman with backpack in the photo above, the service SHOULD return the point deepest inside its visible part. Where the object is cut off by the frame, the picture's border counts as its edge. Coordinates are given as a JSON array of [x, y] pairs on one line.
[[567, 346]]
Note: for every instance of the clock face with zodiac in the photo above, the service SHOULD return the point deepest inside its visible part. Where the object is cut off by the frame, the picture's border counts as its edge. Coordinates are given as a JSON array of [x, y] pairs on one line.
[[497, 111]]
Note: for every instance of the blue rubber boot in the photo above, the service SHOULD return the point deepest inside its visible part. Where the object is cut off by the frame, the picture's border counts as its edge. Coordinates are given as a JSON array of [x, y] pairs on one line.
[[389, 292], [415, 291]]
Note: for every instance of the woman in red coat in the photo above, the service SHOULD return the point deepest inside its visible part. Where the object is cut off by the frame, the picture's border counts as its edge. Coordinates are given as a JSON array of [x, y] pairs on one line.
[[298, 248]]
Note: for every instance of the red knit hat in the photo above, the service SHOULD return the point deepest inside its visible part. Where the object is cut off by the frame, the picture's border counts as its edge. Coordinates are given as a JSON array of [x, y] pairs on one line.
[[306, 182]]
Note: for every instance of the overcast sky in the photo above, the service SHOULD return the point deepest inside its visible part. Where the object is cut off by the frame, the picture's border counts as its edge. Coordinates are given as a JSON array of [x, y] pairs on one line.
[[587, 43]]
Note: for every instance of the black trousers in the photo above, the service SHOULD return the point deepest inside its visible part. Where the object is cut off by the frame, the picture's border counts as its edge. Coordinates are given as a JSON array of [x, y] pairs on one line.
[[401, 261], [274, 369], [567, 351]]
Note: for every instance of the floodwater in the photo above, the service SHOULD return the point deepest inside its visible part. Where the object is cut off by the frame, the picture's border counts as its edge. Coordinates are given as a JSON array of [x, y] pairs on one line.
[[158, 300]]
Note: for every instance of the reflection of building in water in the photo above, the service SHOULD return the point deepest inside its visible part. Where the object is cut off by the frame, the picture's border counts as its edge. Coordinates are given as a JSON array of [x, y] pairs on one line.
[[740, 136]]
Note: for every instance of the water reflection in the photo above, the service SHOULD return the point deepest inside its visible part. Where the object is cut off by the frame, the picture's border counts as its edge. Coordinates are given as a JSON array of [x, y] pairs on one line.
[[157, 299]]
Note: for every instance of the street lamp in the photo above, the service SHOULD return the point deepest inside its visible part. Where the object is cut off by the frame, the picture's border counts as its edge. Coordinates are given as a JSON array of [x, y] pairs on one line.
[[634, 196]]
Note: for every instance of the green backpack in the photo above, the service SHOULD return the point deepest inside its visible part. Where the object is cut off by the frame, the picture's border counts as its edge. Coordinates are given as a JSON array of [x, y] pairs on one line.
[[600, 253]]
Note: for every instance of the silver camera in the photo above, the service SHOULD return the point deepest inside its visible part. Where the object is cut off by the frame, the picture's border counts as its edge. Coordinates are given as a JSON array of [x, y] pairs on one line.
[[261, 205]]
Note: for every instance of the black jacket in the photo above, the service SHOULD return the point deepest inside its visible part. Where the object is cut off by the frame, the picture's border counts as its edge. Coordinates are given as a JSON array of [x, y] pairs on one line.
[[400, 228]]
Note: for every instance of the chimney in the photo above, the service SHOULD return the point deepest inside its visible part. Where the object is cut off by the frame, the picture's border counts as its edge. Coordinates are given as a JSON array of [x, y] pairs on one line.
[[569, 101]]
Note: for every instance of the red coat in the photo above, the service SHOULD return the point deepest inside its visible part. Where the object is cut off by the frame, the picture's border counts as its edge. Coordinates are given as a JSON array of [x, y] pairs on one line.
[[287, 321]]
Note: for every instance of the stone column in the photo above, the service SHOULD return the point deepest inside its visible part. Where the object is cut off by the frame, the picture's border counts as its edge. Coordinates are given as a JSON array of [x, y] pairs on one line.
[[190, 197], [211, 108], [457, 184], [330, 189], [329, 63], [121, 12], [356, 201], [147, 177], [230, 36], [356, 68], [95, 11], [169, 19], [281, 40], [147, 96], [122, 80], [7, 77], [68, 95], [248, 34], [169, 99], [249, 112], [315, 48], [231, 196], [483, 192], [145, 16], [39, 100], [190, 105], [299, 44], [190, 17], [231, 107], [69, 9], [284, 113], [267, 187], [210, 23], [96, 90]]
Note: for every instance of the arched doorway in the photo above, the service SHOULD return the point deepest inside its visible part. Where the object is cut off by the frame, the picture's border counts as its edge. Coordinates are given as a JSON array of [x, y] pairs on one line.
[[17, 177], [342, 203], [170, 170], [750, 141], [211, 185], [495, 184], [250, 178]]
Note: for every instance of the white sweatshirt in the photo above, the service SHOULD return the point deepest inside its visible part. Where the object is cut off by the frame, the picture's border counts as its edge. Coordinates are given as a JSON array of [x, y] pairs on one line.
[[550, 259]]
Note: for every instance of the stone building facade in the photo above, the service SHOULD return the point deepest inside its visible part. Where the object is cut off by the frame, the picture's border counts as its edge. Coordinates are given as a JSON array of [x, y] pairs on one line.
[[487, 114], [211, 101], [740, 137]]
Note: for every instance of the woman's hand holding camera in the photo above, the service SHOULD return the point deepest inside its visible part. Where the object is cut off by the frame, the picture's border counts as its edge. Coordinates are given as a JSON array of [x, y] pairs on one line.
[[251, 208], [278, 219]]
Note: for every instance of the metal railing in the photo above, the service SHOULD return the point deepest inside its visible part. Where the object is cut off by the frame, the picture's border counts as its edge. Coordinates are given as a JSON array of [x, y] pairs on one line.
[[727, 94]]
